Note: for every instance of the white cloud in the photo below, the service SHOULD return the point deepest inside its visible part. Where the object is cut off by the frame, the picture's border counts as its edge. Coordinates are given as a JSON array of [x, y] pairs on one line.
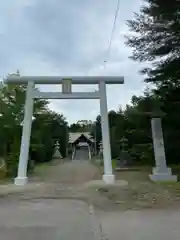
[[59, 37]]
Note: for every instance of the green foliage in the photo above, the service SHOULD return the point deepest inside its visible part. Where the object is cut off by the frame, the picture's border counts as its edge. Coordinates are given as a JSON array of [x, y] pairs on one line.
[[12, 160], [76, 127], [156, 38], [47, 127], [143, 154], [114, 164]]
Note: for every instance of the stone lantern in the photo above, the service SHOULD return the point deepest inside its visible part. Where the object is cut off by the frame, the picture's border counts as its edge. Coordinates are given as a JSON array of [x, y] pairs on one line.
[[57, 153], [124, 157], [123, 143]]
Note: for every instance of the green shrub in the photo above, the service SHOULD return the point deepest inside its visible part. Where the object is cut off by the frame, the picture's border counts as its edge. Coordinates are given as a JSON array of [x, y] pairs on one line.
[[12, 160], [142, 154], [114, 163]]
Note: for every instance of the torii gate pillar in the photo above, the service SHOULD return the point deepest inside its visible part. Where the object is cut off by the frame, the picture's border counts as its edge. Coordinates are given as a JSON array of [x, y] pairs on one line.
[[108, 176], [21, 178]]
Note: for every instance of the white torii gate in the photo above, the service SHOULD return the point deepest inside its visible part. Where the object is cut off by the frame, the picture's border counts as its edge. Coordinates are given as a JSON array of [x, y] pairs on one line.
[[66, 93]]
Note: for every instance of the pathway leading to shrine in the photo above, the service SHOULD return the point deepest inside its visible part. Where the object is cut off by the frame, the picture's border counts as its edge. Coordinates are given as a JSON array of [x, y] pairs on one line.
[[60, 208], [42, 213], [82, 154]]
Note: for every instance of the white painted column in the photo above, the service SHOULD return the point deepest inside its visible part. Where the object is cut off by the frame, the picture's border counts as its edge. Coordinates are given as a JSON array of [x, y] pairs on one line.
[[161, 172], [21, 178], [108, 176]]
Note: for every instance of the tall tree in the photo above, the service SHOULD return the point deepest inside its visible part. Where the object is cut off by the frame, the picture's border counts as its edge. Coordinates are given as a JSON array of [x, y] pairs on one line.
[[156, 39]]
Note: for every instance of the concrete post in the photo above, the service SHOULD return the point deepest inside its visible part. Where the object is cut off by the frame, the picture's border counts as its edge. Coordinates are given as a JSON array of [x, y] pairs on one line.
[[161, 172], [108, 176], [21, 178]]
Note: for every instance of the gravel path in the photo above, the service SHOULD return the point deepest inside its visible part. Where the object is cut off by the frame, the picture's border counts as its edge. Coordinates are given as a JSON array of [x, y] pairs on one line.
[[53, 209], [71, 172], [68, 181], [60, 207], [82, 154], [56, 181]]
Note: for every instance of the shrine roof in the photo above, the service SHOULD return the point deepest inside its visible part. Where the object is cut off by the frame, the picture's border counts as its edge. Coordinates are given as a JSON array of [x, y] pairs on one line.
[[74, 136]]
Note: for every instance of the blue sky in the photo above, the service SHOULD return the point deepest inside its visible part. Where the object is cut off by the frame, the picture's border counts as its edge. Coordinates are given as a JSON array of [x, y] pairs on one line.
[[70, 37]]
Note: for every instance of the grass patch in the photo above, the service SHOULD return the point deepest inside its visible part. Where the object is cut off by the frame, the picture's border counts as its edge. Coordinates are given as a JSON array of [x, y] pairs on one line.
[[114, 164]]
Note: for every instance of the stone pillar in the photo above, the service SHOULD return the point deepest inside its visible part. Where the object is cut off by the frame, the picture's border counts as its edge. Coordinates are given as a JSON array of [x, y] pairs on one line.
[[21, 178], [161, 172], [108, 176]]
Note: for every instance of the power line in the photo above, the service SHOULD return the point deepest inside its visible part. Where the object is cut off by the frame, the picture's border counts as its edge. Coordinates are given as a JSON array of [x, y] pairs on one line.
[[112, 33], [111, 36]]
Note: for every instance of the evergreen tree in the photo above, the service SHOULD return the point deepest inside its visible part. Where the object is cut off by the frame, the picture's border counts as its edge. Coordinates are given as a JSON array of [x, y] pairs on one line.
[[156, 38]]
